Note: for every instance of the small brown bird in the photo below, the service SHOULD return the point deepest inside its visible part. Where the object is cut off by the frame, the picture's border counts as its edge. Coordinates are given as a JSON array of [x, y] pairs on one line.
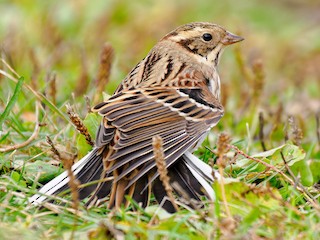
[[172, 93]]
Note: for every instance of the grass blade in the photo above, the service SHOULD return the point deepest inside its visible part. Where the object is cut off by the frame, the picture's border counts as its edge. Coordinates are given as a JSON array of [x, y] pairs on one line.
[[12, 101]]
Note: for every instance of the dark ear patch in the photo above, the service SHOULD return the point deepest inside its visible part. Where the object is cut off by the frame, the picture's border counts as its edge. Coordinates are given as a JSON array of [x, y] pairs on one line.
[[187, 43]]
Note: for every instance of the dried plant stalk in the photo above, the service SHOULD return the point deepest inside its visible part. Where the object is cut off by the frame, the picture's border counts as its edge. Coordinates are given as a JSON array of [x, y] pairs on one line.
[[258, 80], [53, 148], [222, 148], [296, 132], [103, 77], [51, 78], [261, 133], [73, 182], [318, 126], [35, 70], [157, 144], [242, 66], [88, 104], [79, 124], [83, 80]]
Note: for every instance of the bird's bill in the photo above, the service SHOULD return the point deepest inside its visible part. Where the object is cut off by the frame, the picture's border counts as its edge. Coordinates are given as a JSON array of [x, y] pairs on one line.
[[231, 38]]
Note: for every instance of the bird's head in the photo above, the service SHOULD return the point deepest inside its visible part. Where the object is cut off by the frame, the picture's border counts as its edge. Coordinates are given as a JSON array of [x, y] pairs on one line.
[[205, 40]]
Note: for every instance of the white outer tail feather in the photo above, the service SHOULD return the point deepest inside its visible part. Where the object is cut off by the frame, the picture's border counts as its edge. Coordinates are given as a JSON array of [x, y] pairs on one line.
[[197, 166], [58, 182]]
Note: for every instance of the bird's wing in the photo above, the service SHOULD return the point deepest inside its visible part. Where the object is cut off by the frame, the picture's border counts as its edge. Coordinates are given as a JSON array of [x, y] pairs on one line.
[[179, 114]]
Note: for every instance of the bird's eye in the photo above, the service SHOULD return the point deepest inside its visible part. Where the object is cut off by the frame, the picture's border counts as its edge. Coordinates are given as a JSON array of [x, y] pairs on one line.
[[207, 37]]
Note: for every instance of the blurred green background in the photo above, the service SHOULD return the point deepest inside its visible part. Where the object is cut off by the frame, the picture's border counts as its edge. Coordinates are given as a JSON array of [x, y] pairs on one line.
[[273, 75], [282, 42], [63, 36]]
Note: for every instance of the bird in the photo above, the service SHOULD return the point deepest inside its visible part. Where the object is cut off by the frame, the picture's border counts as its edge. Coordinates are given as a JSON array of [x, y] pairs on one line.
[[173, 93]]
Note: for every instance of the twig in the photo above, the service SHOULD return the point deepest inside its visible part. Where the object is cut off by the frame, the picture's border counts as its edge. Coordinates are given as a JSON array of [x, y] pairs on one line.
[[10, 68], [278, 171], [297, 182], [30, 139], [157, 144], [53, 148], [185, 199], [262, 162]]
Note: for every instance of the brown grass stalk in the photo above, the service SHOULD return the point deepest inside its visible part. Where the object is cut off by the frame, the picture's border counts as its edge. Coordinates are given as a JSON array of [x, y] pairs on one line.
[[261, 133], [75, 119], [157, 144], [88, 104], [36, 68], [258, 80], [73, 182], [242, 66], [53, 148], [296, 132], [103, 77], [318, 126], [222, 149], [51, 79], [82, 82]]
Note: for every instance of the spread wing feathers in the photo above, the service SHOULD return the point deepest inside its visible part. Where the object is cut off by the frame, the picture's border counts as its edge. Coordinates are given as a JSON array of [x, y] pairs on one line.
[[124, 149], [104, 134], [140, 114]]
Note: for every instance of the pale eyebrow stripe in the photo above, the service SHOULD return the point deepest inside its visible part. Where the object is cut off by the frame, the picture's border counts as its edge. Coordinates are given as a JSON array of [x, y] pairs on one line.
[[187, 34]]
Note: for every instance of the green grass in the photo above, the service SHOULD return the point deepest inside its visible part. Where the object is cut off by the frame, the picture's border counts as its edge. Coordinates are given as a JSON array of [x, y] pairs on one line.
[[274, 73]]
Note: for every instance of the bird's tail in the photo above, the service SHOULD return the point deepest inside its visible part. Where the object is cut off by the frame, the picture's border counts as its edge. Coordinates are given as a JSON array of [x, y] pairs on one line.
[[86, 170], [190, 178]]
